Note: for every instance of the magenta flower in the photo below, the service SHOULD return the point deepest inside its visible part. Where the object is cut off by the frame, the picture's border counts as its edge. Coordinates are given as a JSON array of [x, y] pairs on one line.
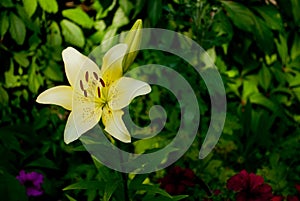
[[32, 182], [250, 187]]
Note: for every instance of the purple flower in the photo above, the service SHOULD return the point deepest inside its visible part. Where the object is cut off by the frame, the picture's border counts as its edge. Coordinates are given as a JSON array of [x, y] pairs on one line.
[[32, 182]]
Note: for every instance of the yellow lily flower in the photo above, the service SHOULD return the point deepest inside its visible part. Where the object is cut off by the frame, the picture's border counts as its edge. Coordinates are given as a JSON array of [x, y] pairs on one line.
[[95, 93]]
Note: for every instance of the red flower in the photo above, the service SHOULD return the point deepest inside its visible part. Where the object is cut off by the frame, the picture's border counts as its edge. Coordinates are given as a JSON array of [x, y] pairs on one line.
[[177, 179], [297, 186], [277, 198], [292, 198], [250, 187]]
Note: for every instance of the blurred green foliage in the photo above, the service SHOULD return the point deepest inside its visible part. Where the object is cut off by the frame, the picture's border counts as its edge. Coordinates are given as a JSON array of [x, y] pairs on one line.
[[255, 45]]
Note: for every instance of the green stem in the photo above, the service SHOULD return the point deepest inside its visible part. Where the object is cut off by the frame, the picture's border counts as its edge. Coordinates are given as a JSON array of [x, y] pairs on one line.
[[125, 179]]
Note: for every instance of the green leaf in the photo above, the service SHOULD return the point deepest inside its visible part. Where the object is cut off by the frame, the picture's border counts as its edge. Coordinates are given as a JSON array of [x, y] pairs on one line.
[[21, 58], [30, 6], [120, 19], [43, 162], [271, 16], [78, 16], [295, 50], [282, 48], [126, 6], [265, 78], [34, 79], [17, 29], [85, 185], [54, 37], [50, 6], [260, 99], [54, 72], [11, 189], [4, 23], [263, 35], [103, 13], [240, 15], [4, 98], [295, 10], [154, 11], [11, 80], [72, 33], [70, 198], [7, 3], [109, 190]]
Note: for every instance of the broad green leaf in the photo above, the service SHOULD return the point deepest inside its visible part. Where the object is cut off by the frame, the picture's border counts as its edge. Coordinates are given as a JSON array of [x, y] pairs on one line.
[[155, 11], [282, 48], [249, 87], [21, 58], [78, 16], [11, 80], [120, 19], [240, 15], [42, 162], [54, 72], [263, 35], [4, 98], [295, 11], [7, 3], [265, 78], [260, 99], [126, 6], [295, 50], [11, 189], [85, 185], [34, 79], [72, 33], [4, 23], [297, 92], [30, 6], [50, 6], [271, 16], [54, 37], [17, 29]]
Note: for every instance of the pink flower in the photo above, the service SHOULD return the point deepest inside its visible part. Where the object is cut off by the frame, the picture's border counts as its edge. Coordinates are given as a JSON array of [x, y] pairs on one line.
[[250, 187]]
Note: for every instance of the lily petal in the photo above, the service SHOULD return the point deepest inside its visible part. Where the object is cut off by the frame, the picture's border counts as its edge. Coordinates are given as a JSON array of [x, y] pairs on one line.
[[114, 125], [59, 95], [124, 90], [71, 134], [87, 112], [74, 62], [112, 63]]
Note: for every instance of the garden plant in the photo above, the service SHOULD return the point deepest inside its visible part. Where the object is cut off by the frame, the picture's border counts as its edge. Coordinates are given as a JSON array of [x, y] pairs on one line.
[[136, 100]]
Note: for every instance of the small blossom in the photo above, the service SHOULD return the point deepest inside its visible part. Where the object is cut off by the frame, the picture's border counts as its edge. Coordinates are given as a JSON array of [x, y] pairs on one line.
[[32, 182], [250, 187], [277, 198], [177, 179]]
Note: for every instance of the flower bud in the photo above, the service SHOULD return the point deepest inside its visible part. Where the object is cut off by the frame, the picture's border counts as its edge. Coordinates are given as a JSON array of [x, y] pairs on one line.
[[133, 40]]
